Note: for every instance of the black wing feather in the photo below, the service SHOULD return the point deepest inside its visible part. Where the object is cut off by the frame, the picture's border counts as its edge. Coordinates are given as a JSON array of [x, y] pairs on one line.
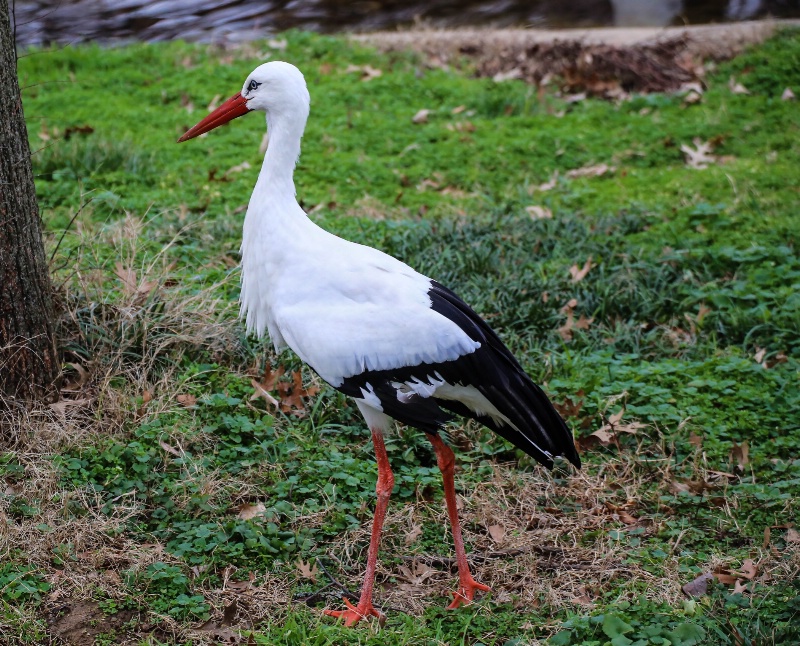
[[492, 370]]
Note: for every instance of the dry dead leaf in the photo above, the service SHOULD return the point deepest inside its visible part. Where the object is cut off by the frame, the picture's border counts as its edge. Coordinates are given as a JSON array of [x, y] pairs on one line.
[[367, 71], [169, 449], [249, 511], [459, 109], [788, 95], [515, 73], [83, 377], [695, 440], [737, 88], [238, 168], [740, 454], [498, 533], [579, 273], [725, 577], [739, 587], [413, 535], [699, 586], [307, 570], [595, 170], [749, 569], [539, 212], [61, 406], [792, 536], [187, 400], [421, 116], [417, 573], [277, 43], [700, 156], [547, 186]]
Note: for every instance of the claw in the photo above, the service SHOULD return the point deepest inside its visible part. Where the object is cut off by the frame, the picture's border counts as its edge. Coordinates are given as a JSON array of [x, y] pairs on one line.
[[354, 614], [466, 593]]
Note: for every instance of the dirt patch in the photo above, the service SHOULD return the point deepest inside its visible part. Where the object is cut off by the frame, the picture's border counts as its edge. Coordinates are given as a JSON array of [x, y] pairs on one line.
[[80, 622], [601, 62]]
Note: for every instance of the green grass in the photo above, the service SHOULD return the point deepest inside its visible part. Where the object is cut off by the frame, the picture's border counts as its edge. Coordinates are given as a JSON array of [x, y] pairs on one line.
[[694, 297]]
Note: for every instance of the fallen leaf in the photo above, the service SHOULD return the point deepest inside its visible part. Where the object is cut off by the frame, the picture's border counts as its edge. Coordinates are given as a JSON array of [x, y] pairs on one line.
[[740, 454], [677, 487], [700, 156], [749, 569], [413, 534], [699, 586], [539, 212], [579, 273], [459, 109], [276, 43], [695, 440], [737, 88], [187, 400], [603, 435], [238, 168], [591, 171], [421, 116], [367, 71], [249, 511], [509, 75], [240, 586], [792, 536], [575, 98], [229, 613], [417, 573], [169, 449], [570, 408], [83, 377], [788, 95], [307, 570], [61, 406], [739, 587], [498, 533], [547, 186]]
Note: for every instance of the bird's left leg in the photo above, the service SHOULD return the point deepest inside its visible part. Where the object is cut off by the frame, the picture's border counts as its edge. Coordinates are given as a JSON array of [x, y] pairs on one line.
[[364, 607], [467, 586]]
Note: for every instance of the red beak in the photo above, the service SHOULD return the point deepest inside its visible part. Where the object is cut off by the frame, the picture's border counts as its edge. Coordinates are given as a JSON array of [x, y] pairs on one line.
[[234, 107]]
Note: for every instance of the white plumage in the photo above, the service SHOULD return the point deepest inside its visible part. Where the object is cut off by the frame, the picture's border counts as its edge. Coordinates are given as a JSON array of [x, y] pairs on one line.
[[402, 345]]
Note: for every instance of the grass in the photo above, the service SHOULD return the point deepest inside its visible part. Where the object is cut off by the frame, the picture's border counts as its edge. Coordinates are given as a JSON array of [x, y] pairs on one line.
[[126, 511]]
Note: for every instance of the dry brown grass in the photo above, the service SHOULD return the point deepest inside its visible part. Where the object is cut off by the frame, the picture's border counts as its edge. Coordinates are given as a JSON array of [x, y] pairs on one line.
[[125, 327]]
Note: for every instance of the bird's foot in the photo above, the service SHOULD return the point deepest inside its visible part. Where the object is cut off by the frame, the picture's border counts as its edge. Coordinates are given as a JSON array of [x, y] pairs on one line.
[[466, 592], [354, 614]]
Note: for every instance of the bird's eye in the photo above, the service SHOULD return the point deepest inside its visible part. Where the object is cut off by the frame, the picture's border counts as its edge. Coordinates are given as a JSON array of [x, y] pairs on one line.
[[253, 85]]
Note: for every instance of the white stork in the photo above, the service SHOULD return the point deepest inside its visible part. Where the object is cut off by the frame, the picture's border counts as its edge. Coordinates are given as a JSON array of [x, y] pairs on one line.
[[402, 345]]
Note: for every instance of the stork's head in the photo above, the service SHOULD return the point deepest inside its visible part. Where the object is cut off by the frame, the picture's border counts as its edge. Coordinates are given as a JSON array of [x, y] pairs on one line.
[[276, 88]]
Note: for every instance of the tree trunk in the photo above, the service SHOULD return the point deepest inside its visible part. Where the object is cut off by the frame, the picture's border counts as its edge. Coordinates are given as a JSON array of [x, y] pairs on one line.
[[29, 360]]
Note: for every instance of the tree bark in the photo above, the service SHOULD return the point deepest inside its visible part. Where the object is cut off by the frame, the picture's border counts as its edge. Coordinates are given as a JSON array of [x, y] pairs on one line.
[[29, 361]]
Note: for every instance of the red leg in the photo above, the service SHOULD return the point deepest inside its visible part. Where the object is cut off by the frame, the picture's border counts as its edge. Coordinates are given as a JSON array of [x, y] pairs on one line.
[[364, 608], [466, 584]]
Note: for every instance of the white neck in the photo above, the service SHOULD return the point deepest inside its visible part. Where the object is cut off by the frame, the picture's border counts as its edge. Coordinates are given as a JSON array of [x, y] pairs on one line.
[[276, 179]]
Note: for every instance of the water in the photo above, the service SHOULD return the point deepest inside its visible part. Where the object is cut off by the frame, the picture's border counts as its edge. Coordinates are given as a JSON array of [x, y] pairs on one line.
[[41, 22]]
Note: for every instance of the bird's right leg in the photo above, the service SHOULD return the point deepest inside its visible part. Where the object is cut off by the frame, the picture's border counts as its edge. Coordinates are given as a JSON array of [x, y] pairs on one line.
[[467, 586], [364, 607]]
